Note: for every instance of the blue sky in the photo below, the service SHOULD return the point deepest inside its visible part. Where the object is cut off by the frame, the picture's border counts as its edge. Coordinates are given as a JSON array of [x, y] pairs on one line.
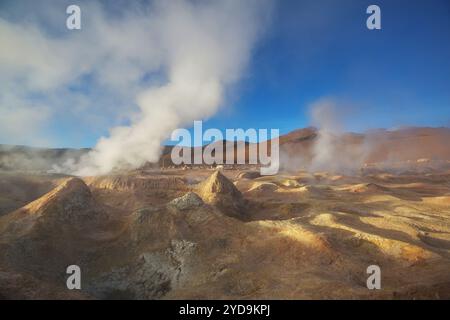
[[396, 76], [311, 50]]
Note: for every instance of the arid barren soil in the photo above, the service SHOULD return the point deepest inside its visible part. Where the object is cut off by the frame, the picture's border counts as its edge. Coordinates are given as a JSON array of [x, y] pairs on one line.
[[284, 237], [201, 233]]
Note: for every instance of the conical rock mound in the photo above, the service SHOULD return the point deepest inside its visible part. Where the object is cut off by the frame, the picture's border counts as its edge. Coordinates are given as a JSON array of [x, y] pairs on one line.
[[73, 193], [217, 190], [69, 203], [53, 231]]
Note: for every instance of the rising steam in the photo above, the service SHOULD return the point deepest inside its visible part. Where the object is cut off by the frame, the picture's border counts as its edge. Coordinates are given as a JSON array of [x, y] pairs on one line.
[[206, 46], [335, 150]]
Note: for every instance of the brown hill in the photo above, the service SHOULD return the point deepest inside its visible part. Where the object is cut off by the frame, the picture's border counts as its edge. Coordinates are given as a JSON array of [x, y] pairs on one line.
[[222, 193], [299, 148], [70, 202], [54, 231]]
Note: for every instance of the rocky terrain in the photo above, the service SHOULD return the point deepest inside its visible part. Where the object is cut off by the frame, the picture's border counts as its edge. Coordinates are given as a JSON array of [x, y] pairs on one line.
[[231, 234], [201, 233]]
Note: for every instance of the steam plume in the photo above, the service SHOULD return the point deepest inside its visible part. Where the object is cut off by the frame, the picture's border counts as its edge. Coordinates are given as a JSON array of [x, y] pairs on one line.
[[206, 46], [335, 150]]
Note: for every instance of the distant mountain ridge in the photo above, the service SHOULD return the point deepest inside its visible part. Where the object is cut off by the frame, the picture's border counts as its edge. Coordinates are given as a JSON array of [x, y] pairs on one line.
[[298, 146]]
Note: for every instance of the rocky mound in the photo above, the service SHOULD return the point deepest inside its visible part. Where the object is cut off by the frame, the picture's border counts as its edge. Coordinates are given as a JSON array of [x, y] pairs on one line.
[[70, 202], [189, 201], [264, 187], [217, 190], [368, 187], [290, 183], [68, 206], [53, 231], [249, 175]]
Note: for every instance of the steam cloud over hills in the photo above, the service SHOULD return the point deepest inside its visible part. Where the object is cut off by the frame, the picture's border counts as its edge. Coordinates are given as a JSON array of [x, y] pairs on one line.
[[166, 64], [205, 52]]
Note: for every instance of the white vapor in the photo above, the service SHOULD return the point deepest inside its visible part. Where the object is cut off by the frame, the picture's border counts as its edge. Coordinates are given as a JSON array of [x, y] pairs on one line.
[[325, 117], [335, 150], [156, 67], [206, 48]]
